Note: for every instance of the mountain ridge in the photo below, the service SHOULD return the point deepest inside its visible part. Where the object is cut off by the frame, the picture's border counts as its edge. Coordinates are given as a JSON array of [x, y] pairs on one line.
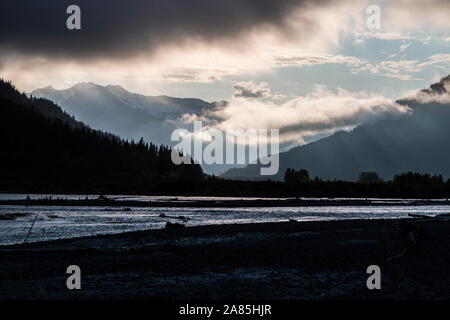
[[413, 142], [44, 149], [129, 115]]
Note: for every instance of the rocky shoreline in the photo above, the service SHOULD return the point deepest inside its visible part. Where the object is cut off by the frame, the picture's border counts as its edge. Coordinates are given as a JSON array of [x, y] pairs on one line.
[[281, 261]]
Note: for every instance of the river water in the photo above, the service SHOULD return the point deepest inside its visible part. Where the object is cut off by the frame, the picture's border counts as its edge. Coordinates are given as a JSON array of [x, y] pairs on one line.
[[52, 222]]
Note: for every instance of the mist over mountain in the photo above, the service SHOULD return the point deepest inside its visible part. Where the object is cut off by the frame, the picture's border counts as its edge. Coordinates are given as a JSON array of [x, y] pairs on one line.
[[417, 141], [43, 148], [129, 115], [121, 112]]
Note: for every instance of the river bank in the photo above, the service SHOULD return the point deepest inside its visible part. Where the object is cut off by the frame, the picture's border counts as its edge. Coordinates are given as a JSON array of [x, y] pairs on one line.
[[103, 201], [292, 260]]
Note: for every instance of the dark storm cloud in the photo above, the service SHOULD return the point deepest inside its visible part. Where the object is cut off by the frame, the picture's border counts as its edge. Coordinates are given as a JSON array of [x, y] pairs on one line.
[[116, 28]]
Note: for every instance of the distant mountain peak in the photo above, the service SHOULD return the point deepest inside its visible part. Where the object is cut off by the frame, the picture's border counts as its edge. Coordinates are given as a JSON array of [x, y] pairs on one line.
[[114, 86], [129, 115], [48, 88], [416, 141], [41, 91], [84, 85], [441, 87]]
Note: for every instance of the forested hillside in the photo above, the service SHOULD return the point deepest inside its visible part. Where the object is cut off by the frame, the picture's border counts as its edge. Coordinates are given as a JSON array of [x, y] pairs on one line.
[[43, 148]]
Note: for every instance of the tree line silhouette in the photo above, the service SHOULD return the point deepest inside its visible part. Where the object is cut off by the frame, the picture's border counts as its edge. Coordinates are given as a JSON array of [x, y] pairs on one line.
[[42, 147], [45, 150]]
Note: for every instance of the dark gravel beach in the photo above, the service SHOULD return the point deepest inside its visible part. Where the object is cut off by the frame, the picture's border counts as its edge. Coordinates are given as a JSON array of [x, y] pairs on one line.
[[308, 260]]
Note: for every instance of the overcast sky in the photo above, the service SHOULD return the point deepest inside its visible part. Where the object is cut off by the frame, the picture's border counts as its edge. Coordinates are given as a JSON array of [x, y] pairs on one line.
[[314, 59]]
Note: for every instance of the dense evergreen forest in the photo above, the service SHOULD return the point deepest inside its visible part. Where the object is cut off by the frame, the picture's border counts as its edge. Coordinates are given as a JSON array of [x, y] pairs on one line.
[[43, 148]]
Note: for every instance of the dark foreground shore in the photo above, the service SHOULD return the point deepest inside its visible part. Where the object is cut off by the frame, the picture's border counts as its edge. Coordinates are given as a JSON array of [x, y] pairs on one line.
[[309, 260]]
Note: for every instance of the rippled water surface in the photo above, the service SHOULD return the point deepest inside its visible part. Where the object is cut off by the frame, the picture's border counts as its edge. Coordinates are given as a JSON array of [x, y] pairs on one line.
[[67, 222]]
